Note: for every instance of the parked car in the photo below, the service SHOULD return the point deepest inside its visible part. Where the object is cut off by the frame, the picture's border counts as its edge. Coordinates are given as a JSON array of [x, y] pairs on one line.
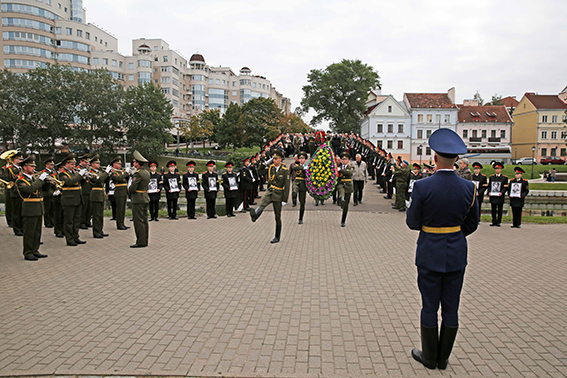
[[552, 160], [527, 161]]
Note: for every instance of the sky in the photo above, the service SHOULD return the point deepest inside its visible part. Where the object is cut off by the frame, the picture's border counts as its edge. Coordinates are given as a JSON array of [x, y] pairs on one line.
[[494, 47]]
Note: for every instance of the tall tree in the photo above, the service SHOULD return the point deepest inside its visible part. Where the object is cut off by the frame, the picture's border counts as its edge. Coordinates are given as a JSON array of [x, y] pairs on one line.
[[293, 123], [479, 98], [496, 100], [338, 94], [9, 121], [262, 120], [199, 127], [230, 130], [147, 119]]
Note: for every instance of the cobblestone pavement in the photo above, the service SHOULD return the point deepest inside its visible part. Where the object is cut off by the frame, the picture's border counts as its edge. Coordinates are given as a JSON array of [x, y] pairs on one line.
[[215, 298]]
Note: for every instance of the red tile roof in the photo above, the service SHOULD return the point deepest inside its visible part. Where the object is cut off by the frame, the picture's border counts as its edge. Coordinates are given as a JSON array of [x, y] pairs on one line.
[[546, 101], [510, 102], [495, 113], [370, 109], [429, 100]]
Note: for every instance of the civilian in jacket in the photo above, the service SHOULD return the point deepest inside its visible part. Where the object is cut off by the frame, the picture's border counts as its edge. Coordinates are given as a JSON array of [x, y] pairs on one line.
[[359, 178]]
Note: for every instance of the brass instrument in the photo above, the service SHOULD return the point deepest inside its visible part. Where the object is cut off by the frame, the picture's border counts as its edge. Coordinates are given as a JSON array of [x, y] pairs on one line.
[[9, 185], [50, 179], [8, 154]]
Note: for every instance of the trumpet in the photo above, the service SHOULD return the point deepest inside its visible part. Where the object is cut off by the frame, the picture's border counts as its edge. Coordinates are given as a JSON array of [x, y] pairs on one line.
[[9, 185], [50, 179]]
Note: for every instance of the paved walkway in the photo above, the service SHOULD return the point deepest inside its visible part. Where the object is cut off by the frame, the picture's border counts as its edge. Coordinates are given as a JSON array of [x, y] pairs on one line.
[[215, 298]]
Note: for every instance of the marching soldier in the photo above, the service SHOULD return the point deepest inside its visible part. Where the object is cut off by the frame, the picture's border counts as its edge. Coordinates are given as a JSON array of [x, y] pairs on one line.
[[154, 190], [29, 189], [97, 180], [299, 185], [277, 193], [481, 182], [140, 200], [84, 163], [172, 186], [518, 191], [71, 200], [497, 186], [192, 187], [344, 185], [210, 182], [13, 200], [120, 180], [230, 187], [444, 209], [47, 193]]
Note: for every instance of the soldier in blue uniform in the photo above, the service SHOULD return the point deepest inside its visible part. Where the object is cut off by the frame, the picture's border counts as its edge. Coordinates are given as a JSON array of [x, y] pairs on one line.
[[518, 191], [444, 209]]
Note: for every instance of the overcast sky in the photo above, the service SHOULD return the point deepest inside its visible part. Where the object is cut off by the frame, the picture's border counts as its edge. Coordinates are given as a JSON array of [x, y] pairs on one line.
[[504, 47]]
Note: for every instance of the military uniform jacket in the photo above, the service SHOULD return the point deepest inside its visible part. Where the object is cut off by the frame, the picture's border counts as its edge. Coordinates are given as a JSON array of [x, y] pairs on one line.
[[226, 178], [120, 181], [11, 174], [191, 194], [255, 171], [445, 210], [159, 183], [402, 176], [481, 182], [278, 183], [524, 190], [169, 180], [300, 176], [412, 179], [29, 190], [345, 178], [246, 177], [85, 184], [208, 179], [139, 186], [387, 171], [48, 188], [97, 186], [71, 191], [497, 184]]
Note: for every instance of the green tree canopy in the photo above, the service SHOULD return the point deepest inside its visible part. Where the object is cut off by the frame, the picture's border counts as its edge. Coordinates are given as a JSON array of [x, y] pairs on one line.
[[199, 127], [229, 130], [338, 94], [262, 121], [479, 98]]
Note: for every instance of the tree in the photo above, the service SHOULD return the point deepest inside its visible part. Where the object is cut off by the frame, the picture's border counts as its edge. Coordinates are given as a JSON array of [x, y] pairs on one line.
[[478, 98], [496, 100], [338, 94], [292, 123], [262, 120], [229, 130], [147, 119], [9, 121], [199, 127]]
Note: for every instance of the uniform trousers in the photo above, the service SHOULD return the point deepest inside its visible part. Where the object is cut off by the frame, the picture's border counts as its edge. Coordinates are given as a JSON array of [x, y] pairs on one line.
[[358, 186], [72, 220], [141, 225], [277, 205], [302, 197], [48, 212], [112, 200], [32, 235], [211, 207], [497, 209], [444, 288], [97, 210], [172, 207], [191, 207], [8, 208], [120, 210], [517, 216], [57, 216], [229, 205], [247, 199], [344, 205], [154, 209], [86, 211], [17, 224]]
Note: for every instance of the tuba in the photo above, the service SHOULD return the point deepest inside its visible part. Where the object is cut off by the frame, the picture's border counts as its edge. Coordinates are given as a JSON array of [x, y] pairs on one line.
[[9, 185]]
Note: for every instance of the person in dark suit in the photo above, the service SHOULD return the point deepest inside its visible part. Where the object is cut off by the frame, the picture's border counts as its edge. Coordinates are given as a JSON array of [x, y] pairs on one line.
[[140, 200], [518, 190], [97, 179], [154, 191], [481, 182], [444, 209], [497, 188], [246, 184], [29, 190], [192, 187], [172, 186], [230, 187], [71, 200], [210, 182]]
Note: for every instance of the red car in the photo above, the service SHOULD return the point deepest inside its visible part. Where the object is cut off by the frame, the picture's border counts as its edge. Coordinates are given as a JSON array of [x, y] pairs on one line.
[[552, 160]]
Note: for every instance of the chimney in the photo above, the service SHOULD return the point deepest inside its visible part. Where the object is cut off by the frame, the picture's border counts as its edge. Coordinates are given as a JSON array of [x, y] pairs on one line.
[[470, 102], [451, 94]]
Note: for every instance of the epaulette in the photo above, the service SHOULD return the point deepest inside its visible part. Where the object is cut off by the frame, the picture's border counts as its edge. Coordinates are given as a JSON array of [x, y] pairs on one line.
[[483, 174], [505, 176]]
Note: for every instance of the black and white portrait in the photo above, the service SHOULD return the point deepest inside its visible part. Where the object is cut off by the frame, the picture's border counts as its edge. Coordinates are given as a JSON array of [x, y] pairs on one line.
[[232, 183], [495, 188], [212, 183], [153, 186], [192, 183], [173, 186], [516, 190]]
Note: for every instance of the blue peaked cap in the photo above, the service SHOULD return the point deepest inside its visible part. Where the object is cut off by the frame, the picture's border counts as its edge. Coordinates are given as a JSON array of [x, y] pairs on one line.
[[447, 143]]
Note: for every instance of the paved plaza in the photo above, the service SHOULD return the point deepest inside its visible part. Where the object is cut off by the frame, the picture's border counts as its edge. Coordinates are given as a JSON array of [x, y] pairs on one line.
[[213, 298]]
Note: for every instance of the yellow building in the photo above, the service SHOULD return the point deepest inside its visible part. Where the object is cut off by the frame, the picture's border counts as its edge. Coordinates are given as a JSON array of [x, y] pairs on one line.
[[540, 122]]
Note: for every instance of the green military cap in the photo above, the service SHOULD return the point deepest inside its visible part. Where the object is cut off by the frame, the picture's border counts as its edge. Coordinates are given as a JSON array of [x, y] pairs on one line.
[[69, 158], [116, 160], [139, 158], [30, 160]]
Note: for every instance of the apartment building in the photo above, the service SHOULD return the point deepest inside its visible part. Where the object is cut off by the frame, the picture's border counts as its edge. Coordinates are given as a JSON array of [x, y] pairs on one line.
[[484, 126]]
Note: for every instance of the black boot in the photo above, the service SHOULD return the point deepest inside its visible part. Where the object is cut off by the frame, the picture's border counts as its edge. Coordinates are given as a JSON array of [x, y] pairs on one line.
[[301, 216], [429, 343], [278, 234], [343, 220], [446, 341], [255, 214]]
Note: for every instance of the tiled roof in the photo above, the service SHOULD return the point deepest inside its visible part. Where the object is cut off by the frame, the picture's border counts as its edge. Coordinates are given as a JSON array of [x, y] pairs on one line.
[[430, 100], [370, 109], [510, 102], [495, 113], [546, 101]]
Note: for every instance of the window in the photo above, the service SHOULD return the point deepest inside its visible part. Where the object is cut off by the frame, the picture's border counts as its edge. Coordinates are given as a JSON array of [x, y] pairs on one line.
[[234, 83], [428, 150], [554, 119], [390, 129], [254, 85], [554, 135], [87, 35], [503, 134], [234, 93], [95, 61], [165, 58], [95, 38], [493, 133], [428, 133], [379, 143], [165, 90], [475, 133], [483, 133], [211, 81], [564, 135], [553, 151], [544, 152], [419, 150], [563, 152], [165, 79], [120, 64], [130, 66], [379, 128], [114, 62], [544, 118], [131, 77], [389, 109], [105, 61], [437, 118], [79, 33], [400, 128], [544, 135], [419, 134], [429, 118], [69, 31], [58, 30], [465, 133], [447, 118], [390, 144], [218, 81], [420, 118], [400, 145]]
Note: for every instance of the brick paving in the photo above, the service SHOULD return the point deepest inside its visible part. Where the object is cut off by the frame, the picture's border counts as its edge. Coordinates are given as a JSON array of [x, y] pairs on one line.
[[215, 298]]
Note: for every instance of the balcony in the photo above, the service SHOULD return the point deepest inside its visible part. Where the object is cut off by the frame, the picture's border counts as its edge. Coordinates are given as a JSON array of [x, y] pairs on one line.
[[475, 139], [494, 140]]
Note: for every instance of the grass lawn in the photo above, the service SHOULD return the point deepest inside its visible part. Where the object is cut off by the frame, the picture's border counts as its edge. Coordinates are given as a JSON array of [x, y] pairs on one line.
[[540, 220], [548, 186], [509, 170]]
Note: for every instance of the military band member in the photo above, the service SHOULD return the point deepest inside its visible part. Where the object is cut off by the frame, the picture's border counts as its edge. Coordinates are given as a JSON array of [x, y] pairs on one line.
[[444, 209], [277, 193], [172, 187], [230, 187], [120, 180], [13, 200], [344, 185], [154, 190], [414, 176], [481, 182], [140, 200], [84, 163], [210, 182], [71, 200], [97, 180], [518, 191], [58, 225], [192, 187], [497, 188], [247, 184], [47, 193], [299, 185], [29, 189]]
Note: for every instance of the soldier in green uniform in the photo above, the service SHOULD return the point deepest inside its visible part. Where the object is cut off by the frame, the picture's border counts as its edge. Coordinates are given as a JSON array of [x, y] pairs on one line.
[[47, 193], [401, 175], [120, 180], [84, 163], [13, 200], [277, 193], [299, 185], [71, 200], [97, 179], [57, 208], [140, 201], [344, 185], [29, 190]]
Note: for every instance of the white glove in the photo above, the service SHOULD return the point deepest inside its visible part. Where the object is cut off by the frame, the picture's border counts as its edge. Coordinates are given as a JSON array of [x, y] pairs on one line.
[[43, 176], [305, 167], [108, 169], [83, 172], [133, 170], [284, 203], [268, 162], [57, 192]]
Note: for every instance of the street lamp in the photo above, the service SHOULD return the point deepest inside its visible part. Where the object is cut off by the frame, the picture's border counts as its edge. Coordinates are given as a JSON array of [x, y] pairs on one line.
[[533, 161]]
